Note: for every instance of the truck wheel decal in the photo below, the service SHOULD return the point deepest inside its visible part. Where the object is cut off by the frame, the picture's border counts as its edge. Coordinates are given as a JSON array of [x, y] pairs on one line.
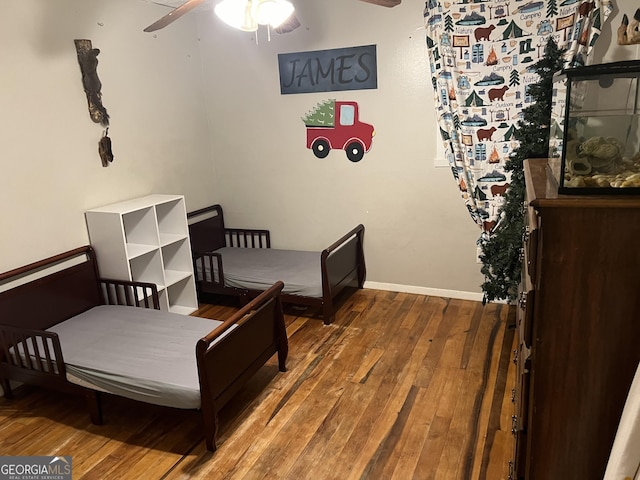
[[321, 148], [355, 151]]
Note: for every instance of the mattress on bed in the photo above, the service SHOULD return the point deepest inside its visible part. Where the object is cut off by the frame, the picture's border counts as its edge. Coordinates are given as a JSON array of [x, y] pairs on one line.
[[138, 353], [259, 268]]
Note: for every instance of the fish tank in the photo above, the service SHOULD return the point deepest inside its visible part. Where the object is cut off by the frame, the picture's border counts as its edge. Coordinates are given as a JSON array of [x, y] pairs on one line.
[[594, 134]]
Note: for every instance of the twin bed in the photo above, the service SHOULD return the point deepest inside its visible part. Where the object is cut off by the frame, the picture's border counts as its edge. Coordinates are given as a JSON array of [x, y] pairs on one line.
[[63, 327], [241, 263]]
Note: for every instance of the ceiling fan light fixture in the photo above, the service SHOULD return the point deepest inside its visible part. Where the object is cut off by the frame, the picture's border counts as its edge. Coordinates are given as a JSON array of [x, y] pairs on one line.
[[273, 12], [237, 14]]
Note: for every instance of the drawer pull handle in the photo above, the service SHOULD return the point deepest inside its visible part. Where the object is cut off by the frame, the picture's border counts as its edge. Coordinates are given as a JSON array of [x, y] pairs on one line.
[[522, 301], [514, 424], [515, 356], [525, 234], [513, 395]]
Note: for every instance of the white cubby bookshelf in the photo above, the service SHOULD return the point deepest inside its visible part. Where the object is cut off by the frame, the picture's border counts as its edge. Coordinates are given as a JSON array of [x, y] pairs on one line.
[[146, 239]]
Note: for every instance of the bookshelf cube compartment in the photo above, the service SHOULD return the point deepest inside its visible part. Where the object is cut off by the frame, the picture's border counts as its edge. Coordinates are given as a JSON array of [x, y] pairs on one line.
[[140, 227], [148, 268], [177, 256], [182, 297], [172, 217]]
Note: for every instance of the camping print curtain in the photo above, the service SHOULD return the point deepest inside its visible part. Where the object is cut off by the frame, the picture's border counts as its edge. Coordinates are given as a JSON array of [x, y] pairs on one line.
[[480, 54]]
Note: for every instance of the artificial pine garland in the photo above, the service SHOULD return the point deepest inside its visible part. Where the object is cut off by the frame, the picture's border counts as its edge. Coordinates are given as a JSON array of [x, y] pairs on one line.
[[501, 260]]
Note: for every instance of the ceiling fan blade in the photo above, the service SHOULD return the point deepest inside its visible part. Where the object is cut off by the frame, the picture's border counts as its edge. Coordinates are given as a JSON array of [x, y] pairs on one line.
[[174, 15], [289, 25], [384, 3]]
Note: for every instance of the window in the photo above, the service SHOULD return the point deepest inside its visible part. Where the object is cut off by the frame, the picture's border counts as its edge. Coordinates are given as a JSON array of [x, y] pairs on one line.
[[347, 115]]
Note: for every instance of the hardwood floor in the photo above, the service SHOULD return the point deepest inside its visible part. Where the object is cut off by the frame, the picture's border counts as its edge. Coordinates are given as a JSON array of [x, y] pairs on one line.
[[400, 386]]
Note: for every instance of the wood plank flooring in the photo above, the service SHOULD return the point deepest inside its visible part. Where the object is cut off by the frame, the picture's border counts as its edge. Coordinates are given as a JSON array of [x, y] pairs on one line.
[[400, 386]]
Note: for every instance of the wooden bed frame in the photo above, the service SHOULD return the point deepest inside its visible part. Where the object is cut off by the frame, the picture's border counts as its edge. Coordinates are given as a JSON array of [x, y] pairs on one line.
[[342, 263], [30, 305]]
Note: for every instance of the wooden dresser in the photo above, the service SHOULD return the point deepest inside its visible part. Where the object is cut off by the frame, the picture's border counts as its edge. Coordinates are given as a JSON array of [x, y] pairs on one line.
[[578, 329]]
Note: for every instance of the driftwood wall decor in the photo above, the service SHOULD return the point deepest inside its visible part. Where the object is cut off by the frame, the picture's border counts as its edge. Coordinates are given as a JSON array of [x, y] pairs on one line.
[[88, 60]]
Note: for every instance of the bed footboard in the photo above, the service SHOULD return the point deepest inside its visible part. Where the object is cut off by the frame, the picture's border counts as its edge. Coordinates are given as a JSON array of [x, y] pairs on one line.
[[242, 344], [342, 265]]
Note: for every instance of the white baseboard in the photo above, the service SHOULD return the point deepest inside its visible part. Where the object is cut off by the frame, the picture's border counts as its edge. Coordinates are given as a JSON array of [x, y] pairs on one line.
[[434, 292]]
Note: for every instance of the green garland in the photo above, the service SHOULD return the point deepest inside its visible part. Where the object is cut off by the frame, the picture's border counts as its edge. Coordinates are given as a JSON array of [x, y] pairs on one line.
[[501, 260]]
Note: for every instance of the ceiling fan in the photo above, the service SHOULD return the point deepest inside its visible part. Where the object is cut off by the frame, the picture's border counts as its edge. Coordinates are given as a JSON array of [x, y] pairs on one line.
[[289, 24]]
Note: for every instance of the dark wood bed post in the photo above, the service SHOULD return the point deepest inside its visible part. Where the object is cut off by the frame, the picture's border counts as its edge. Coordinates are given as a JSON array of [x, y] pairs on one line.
[[94, 404], [210, 424], [281, 335], [327, 311], [6, 387], [362, 266]]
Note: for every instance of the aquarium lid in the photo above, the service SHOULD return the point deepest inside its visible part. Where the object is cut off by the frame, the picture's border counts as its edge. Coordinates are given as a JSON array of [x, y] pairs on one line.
[[627, 68]]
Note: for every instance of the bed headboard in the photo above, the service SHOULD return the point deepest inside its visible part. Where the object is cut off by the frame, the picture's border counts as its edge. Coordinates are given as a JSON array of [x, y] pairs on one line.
[[206, 229], [45, 293]]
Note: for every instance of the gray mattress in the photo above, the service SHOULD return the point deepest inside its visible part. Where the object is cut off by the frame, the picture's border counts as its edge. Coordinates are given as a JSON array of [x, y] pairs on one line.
[[142, 354], [259, 268]]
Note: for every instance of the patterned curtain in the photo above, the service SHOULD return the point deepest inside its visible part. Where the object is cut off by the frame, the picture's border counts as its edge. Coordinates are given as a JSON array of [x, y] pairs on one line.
[[480, 54]]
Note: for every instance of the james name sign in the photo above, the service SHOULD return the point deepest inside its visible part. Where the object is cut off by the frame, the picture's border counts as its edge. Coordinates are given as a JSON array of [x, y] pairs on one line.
[[352, 68]]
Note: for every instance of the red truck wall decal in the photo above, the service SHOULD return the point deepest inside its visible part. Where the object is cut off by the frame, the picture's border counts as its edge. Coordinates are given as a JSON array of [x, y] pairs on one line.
[[334, 124]]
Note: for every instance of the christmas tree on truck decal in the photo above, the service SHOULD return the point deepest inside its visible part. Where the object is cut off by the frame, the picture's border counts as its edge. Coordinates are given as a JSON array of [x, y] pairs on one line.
[[334, 124]]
